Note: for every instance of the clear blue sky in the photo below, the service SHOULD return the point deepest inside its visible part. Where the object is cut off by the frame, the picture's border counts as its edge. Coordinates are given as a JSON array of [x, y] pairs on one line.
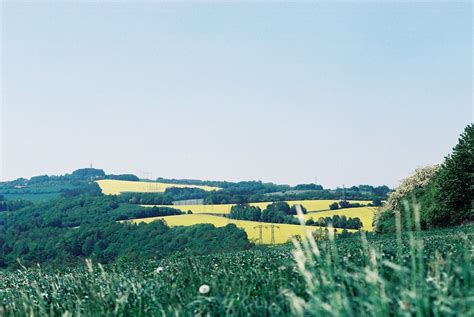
[[350, 92]]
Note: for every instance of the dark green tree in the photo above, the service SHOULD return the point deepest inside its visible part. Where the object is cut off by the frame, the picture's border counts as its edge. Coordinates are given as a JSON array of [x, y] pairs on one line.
[[294, 212], [452, 191]]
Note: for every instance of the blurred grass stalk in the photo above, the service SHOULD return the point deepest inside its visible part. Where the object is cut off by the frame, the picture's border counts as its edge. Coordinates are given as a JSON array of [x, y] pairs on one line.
[[411, 284]]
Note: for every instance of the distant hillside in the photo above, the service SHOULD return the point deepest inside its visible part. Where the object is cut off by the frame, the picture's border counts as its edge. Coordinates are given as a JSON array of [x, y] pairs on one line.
[[45, 187], [84, 181]]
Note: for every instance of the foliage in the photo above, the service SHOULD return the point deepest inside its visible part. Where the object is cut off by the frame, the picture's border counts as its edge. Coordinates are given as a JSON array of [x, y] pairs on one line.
[[282, 206], [452, 191], [382, 275], [245, 212], [343, 204], [123, 177], [410, 274], [146, 198], [334, 206], [410, 188], [277, 212], [149, 212], [60, 231], [294, 209], [277, 216], [256, 191], [89, 173], [13, 205], [45, 188], [445, 192], [308, 187], [337, 221], [365, 214]]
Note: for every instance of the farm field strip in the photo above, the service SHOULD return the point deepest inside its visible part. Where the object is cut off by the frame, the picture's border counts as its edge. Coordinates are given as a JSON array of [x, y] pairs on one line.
[[115, 187], [282, 232], [310, 205], [365, 214]]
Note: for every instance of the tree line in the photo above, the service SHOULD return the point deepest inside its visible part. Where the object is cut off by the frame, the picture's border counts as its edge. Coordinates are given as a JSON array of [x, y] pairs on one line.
[[337, 221], [277, 212]]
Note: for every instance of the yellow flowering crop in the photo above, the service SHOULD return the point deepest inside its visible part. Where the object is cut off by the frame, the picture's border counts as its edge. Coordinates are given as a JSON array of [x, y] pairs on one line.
[[115, 187], [282, 232], [365, 214]]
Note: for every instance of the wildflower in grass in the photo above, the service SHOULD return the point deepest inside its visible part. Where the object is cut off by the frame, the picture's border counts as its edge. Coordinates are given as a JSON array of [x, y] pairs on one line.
[[204, 289], [159, 269]]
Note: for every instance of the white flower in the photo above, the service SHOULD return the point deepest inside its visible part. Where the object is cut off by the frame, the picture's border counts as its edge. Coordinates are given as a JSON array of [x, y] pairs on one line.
[[159, 269], [204, 289]]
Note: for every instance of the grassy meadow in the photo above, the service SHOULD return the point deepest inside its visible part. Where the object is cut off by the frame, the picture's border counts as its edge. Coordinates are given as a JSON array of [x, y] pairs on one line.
[[409, 274], [115, 187]]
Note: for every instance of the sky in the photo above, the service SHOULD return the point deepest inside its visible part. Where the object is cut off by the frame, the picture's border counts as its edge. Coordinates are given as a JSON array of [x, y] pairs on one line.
[[344, 93]]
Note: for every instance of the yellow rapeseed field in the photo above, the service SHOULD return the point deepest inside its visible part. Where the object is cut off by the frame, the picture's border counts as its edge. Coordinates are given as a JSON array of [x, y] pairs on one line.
[[115, 187], [365, 214], [283, 232], [310, 205]]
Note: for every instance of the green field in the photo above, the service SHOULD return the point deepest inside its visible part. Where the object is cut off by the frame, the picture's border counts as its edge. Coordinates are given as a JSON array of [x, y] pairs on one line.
[[422, 274]]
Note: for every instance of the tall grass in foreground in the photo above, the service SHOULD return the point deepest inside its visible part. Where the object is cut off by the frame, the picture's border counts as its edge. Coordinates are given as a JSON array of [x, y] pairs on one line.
[[408, 283], [411, 273]]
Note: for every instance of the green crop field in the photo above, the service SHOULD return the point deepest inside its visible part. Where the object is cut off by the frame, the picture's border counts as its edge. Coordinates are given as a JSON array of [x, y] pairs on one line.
[[417, 274]]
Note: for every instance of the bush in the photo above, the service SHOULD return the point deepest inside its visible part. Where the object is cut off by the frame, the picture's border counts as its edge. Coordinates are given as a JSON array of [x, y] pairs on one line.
[[245, 212], [279, 206], [410, 188], [344, 204], [444, 192], [334, 206]]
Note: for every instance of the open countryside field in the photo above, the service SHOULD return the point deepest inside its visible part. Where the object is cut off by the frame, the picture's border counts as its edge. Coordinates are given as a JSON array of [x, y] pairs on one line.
[[283, 232], [115, 187], [310, 205], [256, 282], [365, 214]]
